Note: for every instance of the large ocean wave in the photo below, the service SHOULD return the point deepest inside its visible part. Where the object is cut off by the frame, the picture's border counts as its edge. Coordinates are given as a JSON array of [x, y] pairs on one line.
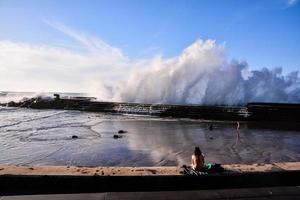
[[201, 75]]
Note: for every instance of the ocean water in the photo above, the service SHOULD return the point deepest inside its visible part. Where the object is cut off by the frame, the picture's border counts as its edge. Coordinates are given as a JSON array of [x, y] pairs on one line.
[[44, 137]]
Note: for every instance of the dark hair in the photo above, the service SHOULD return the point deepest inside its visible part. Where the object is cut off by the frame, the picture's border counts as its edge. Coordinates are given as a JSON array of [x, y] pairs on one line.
[[197, 151]]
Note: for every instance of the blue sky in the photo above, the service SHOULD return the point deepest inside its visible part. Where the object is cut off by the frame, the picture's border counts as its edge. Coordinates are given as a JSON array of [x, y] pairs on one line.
[[265, 33]]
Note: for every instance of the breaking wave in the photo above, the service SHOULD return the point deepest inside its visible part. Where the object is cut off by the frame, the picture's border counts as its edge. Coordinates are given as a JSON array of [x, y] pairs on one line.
[[201, 75]]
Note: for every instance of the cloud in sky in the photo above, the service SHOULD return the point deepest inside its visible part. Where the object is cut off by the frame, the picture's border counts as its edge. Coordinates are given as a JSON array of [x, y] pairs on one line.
[[291, 2], [49, 68], [93, 44]]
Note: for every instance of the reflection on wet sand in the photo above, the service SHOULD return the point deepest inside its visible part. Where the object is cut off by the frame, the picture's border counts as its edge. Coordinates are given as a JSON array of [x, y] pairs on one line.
[[172, 142]]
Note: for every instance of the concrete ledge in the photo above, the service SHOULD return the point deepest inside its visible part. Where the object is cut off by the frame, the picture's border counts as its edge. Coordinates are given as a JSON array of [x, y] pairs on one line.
[[244, 193], [58, 180], [39, 184]]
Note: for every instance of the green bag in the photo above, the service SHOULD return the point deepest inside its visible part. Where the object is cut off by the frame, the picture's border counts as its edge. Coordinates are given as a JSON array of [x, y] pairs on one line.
[[208, 166]]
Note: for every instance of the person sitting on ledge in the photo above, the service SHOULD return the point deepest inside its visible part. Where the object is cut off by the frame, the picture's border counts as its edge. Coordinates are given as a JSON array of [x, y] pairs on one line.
[[197, 159], [199, 167]]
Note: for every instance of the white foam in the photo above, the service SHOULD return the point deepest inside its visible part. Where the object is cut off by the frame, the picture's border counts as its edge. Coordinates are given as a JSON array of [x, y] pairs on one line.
[[202, 75]]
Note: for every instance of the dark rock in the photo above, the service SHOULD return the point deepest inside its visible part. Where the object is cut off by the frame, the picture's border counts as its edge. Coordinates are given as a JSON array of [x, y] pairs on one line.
[[12, 104], [56, 96], [74, 137], [122, 131], [117, 136]]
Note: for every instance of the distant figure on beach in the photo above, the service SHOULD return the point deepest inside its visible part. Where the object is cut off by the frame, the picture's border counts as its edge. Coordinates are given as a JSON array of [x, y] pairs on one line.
[[197, 159], [210, 127], [238, 131], [238, 126]]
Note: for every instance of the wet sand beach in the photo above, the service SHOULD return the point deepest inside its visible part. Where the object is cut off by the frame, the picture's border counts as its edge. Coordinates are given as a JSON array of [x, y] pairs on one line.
[[45, 137]]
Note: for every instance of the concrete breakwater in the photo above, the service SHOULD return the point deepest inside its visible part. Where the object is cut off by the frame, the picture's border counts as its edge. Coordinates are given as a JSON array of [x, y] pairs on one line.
[[249, 112]]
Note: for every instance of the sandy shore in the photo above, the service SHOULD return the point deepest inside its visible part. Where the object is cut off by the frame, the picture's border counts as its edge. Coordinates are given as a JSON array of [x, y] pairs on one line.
[[135, 171]]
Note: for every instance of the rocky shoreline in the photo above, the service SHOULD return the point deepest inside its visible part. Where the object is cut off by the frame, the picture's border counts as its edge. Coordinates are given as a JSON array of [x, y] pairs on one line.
[[250, 112]]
